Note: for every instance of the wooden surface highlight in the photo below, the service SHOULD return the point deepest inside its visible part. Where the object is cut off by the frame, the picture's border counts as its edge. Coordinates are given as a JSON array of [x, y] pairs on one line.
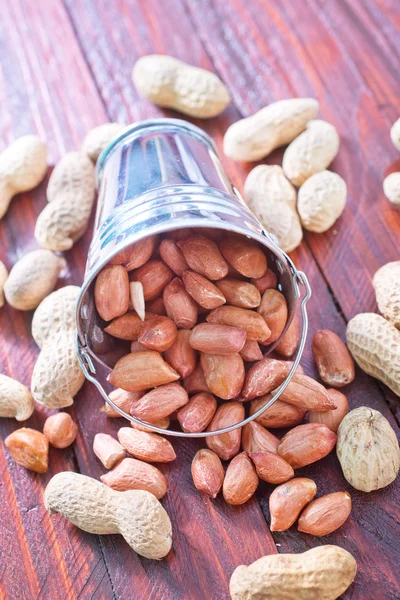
[[66, 68]]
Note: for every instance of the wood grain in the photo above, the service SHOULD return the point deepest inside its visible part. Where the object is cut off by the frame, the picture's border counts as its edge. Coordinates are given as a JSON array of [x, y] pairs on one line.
[[73, 71], [41, 557]]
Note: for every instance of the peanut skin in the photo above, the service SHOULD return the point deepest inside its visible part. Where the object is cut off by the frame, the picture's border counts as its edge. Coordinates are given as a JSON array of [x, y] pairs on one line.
[[23, 165]]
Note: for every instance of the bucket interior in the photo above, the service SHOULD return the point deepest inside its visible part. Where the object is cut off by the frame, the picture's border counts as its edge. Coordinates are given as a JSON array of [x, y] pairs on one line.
[[106, 350]]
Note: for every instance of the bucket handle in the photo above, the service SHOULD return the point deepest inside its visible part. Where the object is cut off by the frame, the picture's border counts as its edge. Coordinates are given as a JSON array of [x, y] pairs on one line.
[[89, 371]]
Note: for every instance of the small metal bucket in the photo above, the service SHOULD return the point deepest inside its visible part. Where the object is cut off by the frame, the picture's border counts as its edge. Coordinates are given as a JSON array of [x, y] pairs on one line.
[[158, 176]]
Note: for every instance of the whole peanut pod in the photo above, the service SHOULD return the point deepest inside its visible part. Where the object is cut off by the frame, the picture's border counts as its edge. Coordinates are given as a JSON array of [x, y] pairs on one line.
[[15, 399], [311, 152], [275, 125], [3, 279], [386, 282], [70, 195], [321, 201], [375, 346], [272, 198], [395, 134], [136, 514], [98, 138], [57, 376], [171, 83], [323, 573], [32, 278], [368, 450], [391, 188], [23, 165]]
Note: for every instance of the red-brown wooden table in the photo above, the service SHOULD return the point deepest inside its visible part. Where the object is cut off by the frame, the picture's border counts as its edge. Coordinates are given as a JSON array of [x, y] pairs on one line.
[[65, 67]]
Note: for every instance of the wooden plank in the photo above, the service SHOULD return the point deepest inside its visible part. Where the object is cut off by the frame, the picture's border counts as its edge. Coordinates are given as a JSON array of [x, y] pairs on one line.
[[41, 557]]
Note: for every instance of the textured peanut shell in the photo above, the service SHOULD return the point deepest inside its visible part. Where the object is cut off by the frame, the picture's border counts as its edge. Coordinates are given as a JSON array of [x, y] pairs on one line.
[[267, 185], [3, 279], [98, 138], [23, 165], [281, 221], [275, 125], [322, 573], [375, 346], [367, 449], [391, 188], [386, 282], [171, 83], [15, 399], [321, 201], [55, 313], [395, 134], [312, 152], [70, 196], [93, 507], [57, 376], [32, 278]]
